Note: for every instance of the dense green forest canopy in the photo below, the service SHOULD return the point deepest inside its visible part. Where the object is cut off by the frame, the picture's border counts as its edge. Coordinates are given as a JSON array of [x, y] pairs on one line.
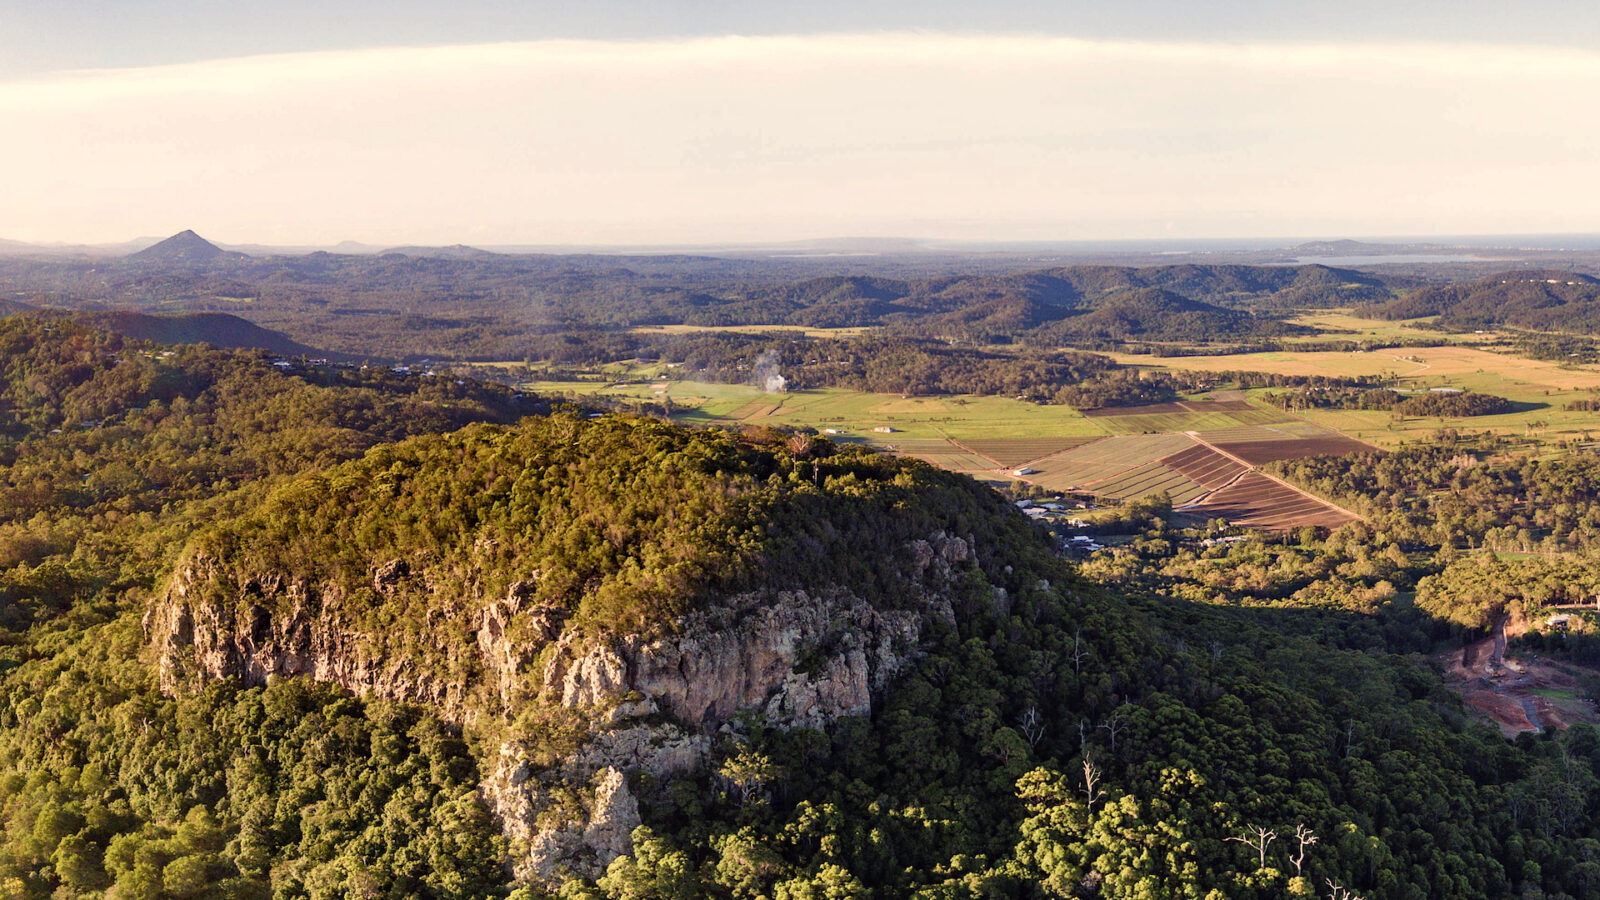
[[1465, 491], [112, 449], [1442, 403]]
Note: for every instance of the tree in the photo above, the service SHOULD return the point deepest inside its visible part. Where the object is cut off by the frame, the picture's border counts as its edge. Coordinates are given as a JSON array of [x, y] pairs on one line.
[[655, 871], [1257, 838], [1032, 726], [1091, 779], [1114, 726], [1340, 892], [747, 771], [1306, 837], [830, 882]]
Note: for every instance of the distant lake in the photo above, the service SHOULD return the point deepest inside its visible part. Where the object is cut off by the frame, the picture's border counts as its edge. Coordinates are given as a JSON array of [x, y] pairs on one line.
[[1399, 258]]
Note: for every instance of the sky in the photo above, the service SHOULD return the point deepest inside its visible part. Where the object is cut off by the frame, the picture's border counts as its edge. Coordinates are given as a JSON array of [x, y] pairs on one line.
[[695, 121]]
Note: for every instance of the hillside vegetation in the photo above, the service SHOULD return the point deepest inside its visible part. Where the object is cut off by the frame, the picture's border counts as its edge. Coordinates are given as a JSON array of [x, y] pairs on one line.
[[618, 526], [1051, 737], [1533, 300]]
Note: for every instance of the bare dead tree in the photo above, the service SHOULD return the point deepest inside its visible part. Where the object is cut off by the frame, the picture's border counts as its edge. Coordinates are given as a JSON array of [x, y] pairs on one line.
[[1350, 745], [1091, 780], [1078, 652], [1306, 837], [1340, 892], [1115, 726], [1257, 838], [1032, 726]]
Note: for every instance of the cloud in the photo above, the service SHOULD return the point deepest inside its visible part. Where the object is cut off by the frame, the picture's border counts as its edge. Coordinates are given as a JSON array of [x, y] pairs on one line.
[[1004, 137]]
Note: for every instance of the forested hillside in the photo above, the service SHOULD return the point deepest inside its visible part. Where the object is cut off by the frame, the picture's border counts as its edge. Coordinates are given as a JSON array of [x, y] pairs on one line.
[[1530, 299], [112, 449], [489, 306], [943, 707]]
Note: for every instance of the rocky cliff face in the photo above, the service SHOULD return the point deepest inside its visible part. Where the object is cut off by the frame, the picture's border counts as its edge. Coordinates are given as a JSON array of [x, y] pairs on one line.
[[651, 705]]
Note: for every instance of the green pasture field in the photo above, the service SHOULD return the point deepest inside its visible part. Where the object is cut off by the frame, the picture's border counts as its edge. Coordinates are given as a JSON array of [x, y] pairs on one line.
[[1539, 387], [1164, 423], [852, 413]]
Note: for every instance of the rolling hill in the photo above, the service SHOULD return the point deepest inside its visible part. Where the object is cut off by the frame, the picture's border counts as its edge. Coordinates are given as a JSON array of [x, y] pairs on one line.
[[1538, 300]]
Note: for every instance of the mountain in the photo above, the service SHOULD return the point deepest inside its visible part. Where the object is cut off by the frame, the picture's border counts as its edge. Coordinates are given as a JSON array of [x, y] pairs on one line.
[[454, 251], [184, 248]]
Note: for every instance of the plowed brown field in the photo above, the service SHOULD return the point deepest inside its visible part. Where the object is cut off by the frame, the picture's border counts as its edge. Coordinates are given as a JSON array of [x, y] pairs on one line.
[[1206, 466], [1258, 452], [1257, 501]]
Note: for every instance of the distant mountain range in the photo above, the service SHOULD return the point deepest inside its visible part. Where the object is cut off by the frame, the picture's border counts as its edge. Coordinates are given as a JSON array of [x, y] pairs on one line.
[[1243, 251], [470, 303]]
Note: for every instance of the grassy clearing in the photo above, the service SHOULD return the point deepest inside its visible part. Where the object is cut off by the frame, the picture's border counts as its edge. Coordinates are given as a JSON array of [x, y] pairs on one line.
[[1554, 693], [854, 414], [1341, 324], [1539, 387], [1161, 423]]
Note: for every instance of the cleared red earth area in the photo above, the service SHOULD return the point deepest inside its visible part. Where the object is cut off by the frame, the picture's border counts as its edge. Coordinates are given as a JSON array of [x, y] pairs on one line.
[[1257, 501], [1516, 695], [1258, 452]]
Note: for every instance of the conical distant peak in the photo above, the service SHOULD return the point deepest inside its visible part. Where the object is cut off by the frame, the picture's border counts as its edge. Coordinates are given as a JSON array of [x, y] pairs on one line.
[[185, 246]]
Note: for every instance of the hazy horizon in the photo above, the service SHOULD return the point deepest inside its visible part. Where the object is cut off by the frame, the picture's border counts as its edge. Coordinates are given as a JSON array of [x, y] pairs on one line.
[[889, 244], [729, 139]]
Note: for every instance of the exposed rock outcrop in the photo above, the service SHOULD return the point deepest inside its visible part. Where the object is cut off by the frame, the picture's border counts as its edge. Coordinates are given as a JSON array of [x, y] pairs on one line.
[[651, 704], [301, 631]]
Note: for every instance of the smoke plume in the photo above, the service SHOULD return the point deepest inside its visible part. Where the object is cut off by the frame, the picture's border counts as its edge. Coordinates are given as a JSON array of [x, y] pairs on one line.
[[767, 377]]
